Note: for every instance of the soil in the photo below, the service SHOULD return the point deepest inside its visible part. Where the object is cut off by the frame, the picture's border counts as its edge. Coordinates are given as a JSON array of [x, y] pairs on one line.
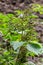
[[8, 6]]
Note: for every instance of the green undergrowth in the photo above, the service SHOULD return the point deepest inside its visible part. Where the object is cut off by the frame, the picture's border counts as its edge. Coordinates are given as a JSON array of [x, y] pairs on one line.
[[18, 31]]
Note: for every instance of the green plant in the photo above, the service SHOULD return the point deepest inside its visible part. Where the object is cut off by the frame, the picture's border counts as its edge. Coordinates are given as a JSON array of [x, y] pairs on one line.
[[37, 8], [7, 57], [23, 48], [20, 27]]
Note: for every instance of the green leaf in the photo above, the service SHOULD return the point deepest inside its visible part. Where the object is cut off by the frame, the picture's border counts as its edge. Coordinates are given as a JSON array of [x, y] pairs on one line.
[[19, 12], [34, 47], [36, 44], [16, 44]]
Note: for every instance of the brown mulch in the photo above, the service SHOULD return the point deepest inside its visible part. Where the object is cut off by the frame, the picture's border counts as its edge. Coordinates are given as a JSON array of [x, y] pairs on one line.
[[35, 59], [8, 6]]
